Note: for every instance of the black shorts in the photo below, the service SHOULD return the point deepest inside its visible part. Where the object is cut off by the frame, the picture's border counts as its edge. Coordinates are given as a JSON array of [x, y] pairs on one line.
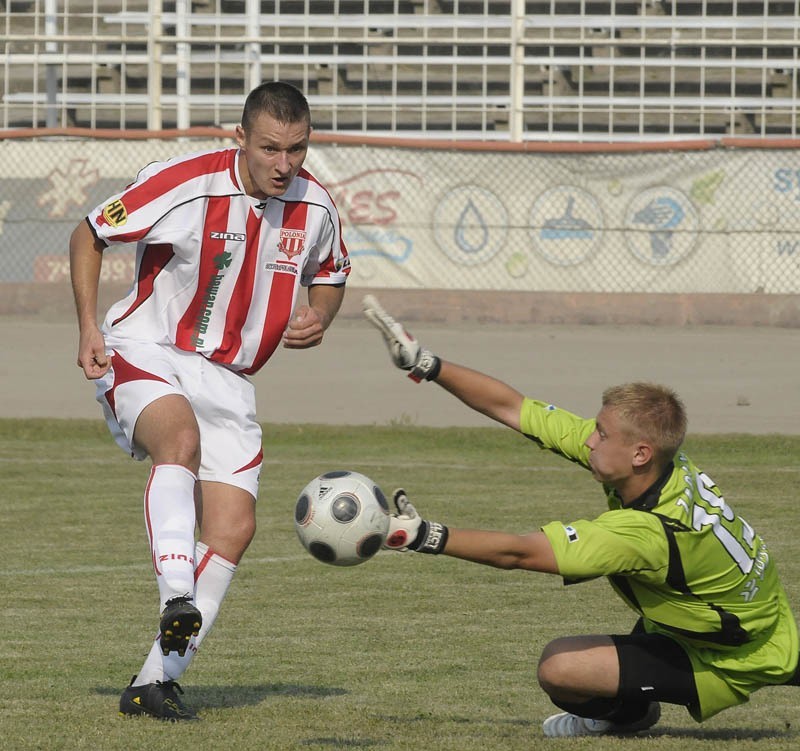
[[654, 667]]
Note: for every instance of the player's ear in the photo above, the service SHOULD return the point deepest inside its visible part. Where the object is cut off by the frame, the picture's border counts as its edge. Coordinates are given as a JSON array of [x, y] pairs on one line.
[[240, 136], [642, 454]]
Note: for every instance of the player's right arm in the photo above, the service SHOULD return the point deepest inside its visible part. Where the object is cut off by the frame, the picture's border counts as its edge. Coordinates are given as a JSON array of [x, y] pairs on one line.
[[529, 552], [409, 531], [481, 392], [85, 260]]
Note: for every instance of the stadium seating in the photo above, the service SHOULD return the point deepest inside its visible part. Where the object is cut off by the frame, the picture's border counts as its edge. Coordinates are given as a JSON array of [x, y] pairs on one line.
[[704, 67]]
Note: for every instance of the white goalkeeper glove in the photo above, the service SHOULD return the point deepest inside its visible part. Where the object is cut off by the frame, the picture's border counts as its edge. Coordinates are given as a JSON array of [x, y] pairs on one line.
[[409, 531], [403, 348]]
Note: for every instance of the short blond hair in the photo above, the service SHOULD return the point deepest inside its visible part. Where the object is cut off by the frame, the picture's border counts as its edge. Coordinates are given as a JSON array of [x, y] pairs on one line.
[[651, 412]]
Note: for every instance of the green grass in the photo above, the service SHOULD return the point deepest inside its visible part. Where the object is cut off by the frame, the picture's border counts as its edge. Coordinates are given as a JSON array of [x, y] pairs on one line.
[[404, 652]]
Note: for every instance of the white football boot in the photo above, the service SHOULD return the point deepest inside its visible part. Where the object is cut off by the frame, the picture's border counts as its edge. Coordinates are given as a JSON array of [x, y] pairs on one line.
[[566, 725]]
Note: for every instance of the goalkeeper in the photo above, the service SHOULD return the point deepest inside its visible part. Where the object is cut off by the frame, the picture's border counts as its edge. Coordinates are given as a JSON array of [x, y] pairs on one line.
[[714, 623]]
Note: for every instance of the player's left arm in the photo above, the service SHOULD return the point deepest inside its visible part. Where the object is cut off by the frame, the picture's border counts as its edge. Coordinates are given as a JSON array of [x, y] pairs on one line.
[[308, 324]]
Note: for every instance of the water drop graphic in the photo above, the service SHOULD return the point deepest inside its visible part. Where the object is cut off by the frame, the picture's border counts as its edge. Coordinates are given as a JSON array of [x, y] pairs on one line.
[[470, 232]]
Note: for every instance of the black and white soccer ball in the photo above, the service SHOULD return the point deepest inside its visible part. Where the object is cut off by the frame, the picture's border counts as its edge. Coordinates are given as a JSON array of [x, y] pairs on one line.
[[342, 518]]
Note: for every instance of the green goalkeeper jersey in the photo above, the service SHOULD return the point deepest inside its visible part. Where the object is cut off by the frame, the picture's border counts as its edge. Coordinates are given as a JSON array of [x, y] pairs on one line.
[[679, 556]]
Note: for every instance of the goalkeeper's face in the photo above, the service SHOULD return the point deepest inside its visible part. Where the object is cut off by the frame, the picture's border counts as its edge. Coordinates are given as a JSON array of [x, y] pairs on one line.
[[272, 153], [615, 454]]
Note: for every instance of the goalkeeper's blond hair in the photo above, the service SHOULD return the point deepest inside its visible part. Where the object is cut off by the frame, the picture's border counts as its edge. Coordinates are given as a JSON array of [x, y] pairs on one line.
[[650, 412]]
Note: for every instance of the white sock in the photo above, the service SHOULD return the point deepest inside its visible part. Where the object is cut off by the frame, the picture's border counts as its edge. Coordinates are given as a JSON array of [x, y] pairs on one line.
[[170, 518], [214, 575]]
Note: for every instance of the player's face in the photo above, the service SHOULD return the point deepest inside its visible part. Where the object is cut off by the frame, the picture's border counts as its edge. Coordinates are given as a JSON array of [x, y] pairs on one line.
[[273, 153], [613, 451]]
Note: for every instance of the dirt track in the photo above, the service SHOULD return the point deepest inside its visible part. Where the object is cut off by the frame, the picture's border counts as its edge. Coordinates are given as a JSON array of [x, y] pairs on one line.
[[733, 379]]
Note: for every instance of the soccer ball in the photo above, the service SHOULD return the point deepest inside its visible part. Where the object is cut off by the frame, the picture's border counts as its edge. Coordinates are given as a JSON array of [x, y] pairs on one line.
[[342, 518]]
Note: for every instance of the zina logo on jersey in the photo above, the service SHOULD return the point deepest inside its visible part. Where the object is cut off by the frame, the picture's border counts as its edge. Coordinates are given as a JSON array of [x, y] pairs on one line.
[[115, 213], [237, 236]]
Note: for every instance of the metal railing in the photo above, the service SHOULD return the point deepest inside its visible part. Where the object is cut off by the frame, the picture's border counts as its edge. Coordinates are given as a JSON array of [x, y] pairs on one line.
[[513, 71]]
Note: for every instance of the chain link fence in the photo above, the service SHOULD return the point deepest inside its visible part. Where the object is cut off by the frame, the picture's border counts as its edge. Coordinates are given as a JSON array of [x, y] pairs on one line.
[[706, 219]]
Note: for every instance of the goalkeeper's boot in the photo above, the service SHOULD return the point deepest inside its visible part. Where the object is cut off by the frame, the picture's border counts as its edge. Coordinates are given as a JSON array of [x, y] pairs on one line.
[[566, 725], [159, 699], [179, 622]]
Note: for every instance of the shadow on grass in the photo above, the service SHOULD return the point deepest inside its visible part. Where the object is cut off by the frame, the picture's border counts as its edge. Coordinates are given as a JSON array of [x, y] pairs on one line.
[[720, 734], [457, 719], [660, 731], [213, 697], [337, 742]]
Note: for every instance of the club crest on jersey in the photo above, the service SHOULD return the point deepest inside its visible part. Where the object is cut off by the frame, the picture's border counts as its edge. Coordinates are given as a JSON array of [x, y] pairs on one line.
[[115, 213], [291, 242]]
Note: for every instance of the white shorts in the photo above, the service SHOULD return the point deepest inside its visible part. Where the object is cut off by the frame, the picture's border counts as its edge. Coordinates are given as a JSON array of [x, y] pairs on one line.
[[223, 402]]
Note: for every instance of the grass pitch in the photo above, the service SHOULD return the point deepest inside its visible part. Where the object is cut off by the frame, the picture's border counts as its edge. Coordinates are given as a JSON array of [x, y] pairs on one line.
[[403, 652]]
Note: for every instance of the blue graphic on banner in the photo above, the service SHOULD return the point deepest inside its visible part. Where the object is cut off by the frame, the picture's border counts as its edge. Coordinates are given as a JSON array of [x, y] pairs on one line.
[[566, 225], [470, 225], [376, 242], [661, 226]]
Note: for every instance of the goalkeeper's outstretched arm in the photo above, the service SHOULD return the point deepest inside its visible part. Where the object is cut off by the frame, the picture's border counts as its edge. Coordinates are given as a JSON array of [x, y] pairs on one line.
[[483, 393], [408, 531], [530, 552], [477, 390]]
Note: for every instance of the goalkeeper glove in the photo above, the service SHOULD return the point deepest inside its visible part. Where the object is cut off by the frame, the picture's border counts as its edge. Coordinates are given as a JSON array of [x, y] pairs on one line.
[[403, 348], [409, 531]]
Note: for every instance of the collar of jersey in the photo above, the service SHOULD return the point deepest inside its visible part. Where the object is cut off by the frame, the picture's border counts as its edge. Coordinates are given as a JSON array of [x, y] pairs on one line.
[[648, 500]]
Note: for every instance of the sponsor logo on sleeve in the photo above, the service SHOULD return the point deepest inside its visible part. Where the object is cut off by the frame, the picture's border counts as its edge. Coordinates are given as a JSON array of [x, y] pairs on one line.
[[572, 533], [115, 213]]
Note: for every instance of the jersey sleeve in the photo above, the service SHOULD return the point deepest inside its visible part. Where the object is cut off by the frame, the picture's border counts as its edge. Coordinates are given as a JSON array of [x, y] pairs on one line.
[[330, 262], [556, 430], [626, 543], [160, 188], [117, 221]]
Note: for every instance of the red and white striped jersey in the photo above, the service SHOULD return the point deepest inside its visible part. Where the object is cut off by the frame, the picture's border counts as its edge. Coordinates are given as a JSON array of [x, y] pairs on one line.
[[218, 271]]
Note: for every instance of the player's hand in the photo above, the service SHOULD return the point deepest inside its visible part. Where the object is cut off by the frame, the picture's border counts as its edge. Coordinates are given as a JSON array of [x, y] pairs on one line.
[[306, 329], [409, 531], [92, 357], [404, 349], [403, 525]]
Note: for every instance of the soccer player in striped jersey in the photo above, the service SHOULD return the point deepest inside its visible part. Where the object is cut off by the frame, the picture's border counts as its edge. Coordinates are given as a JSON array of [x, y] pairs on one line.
[[714, 623], [224, 240]]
